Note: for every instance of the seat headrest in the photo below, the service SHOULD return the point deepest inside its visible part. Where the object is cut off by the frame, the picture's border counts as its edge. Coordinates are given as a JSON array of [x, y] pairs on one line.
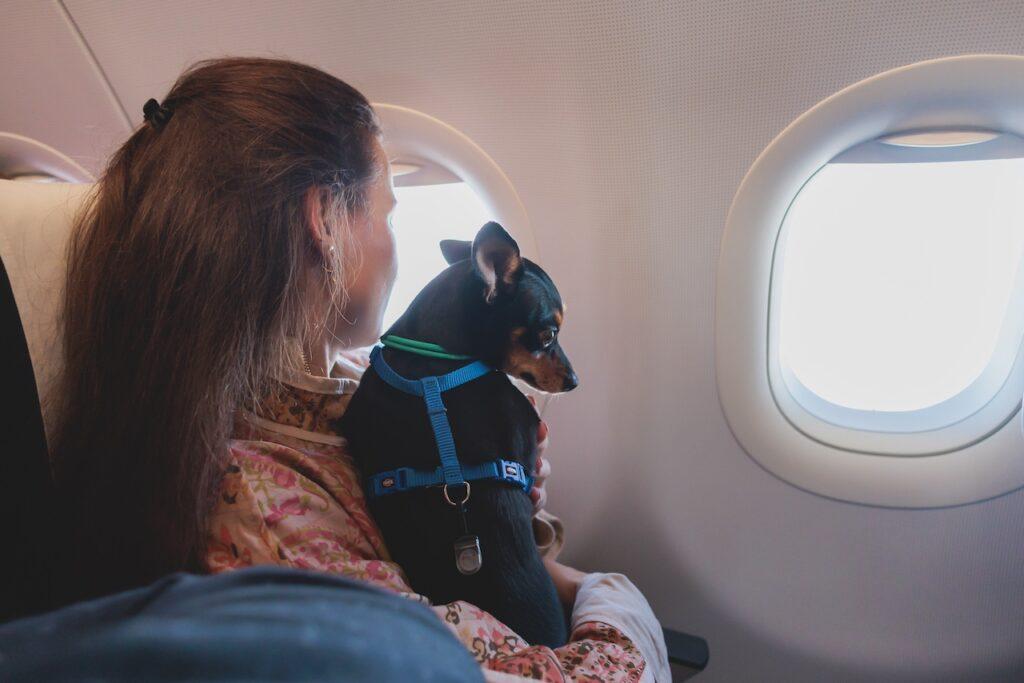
[[35, 222]]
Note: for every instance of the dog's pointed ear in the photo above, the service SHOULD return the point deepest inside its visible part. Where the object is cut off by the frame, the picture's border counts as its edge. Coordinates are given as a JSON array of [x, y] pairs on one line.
[[496, 260], [456, 250]]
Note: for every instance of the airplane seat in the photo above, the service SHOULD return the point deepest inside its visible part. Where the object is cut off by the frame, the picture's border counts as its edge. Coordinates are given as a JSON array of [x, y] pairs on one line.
[[35, 219], [35, 222]]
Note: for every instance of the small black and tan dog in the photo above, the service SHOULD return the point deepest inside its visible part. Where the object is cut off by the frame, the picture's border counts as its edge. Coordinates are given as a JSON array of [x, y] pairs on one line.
[[494, 305]]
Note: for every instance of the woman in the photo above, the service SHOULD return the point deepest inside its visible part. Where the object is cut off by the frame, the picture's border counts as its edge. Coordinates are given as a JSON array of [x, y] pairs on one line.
[[237, 248]]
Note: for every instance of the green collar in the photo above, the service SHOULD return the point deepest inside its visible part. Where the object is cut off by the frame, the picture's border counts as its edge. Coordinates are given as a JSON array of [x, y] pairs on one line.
[[420, 348]]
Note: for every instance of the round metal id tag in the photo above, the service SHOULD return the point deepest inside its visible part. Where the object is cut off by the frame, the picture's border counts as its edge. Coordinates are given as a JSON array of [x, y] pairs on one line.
[[468, 558]]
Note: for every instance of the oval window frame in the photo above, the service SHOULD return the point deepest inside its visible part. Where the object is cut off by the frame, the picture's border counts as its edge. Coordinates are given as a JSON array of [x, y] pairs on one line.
[[973, 459], [439, 150], [24, 157]]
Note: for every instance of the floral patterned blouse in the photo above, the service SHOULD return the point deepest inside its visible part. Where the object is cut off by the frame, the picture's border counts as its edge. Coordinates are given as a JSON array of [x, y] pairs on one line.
[[292, 496]]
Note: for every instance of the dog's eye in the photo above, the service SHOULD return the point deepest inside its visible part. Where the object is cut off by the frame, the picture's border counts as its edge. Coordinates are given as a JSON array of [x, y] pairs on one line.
[[547, 337]]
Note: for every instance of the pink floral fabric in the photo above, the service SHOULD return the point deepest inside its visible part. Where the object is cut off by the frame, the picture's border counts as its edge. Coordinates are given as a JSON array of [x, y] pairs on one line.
[[297, 502]]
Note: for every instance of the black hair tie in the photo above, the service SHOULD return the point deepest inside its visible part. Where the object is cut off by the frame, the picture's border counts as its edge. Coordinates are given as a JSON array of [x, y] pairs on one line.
[[156, 114]]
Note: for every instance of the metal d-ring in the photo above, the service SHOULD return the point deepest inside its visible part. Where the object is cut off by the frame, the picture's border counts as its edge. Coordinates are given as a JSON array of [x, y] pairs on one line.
[[452, 502]]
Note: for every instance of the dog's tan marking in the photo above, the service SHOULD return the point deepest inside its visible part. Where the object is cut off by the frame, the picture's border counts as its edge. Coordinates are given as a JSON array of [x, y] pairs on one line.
[[548, 374]]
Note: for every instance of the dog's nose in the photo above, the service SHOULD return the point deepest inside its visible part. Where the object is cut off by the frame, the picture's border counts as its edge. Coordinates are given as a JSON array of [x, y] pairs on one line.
[[570, 382]]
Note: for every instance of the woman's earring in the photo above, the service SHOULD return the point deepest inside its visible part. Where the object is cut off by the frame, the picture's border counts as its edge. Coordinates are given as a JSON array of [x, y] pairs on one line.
[[329, 271]]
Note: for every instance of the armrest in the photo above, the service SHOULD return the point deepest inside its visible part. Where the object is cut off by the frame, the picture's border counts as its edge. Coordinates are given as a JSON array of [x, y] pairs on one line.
[[686, 650]]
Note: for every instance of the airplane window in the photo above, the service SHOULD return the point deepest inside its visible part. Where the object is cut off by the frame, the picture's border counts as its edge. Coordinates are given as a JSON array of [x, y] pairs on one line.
[[425, 215], [898, 264], [869, 318]]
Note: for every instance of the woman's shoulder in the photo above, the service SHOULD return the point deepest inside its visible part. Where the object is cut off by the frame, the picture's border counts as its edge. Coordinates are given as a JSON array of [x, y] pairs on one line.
[[286, 500], [300, 407]]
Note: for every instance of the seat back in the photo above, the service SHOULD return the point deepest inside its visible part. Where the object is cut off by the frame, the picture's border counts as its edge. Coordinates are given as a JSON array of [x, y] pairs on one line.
[[35, 220]]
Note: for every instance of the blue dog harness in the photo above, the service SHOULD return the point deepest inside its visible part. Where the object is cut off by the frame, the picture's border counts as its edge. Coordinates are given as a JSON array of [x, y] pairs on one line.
[[450, 473]]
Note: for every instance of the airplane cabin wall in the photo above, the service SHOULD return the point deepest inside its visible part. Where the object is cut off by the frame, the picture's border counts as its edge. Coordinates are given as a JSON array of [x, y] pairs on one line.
[[626, 128]]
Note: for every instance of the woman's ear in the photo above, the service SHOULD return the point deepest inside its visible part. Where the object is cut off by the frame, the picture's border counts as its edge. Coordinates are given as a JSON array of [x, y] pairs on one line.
[[496, 260], [319, 229]]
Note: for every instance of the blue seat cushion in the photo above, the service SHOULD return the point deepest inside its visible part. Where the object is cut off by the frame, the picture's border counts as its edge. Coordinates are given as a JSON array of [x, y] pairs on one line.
[[255, 624]]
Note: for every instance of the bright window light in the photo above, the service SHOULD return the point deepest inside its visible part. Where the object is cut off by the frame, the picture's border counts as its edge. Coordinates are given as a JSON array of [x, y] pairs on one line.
[[896, 278], [425, 215]]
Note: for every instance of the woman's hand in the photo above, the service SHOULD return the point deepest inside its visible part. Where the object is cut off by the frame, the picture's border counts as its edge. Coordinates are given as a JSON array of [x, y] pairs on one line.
[[537, 494], [567, 582]]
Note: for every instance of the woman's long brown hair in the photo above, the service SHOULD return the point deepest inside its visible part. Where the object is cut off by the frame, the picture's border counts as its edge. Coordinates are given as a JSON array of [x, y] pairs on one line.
[[187, 271]]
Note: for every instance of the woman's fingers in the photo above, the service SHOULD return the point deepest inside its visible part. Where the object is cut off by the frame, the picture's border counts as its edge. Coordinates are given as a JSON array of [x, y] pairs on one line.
[[538, 494], [539, 497], [542, 469]]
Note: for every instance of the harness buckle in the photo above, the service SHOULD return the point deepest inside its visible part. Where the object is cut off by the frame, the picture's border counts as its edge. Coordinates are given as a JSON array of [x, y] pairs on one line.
[[455, 503], [510, 471]]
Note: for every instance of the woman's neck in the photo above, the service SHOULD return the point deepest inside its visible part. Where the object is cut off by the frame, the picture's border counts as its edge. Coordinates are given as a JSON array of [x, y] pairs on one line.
[[320, 355]]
